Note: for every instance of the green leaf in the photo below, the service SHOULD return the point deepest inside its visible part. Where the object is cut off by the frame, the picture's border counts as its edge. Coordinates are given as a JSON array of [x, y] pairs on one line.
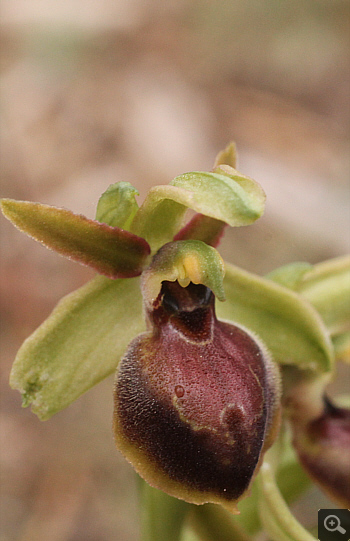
[[224, 195], [162, 516], [185, 261], [117, 205], [109, 250], [288, 325], [78, 345]]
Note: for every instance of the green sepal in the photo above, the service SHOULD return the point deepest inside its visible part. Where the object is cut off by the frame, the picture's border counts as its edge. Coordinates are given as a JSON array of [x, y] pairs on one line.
[[162, 516], [79, 344], [109, 250], [289, 326], [225, 195], [185, 261], [117, 205]]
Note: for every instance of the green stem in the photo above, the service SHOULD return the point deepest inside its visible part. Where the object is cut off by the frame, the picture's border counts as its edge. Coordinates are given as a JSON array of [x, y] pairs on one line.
[[162, 516], [213, 523]]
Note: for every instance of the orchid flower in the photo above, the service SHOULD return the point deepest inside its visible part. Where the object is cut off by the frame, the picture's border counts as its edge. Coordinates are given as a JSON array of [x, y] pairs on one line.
[[220, 393]]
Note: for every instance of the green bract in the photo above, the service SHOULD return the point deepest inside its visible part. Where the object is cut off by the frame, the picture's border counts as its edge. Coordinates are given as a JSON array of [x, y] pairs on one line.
[[300, 312]]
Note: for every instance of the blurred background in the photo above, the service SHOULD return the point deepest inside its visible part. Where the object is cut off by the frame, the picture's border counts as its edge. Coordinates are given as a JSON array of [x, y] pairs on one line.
[[93, 92]]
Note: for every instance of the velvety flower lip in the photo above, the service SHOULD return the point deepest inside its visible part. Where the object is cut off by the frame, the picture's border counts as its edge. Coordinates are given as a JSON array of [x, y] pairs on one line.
[[196, 400]]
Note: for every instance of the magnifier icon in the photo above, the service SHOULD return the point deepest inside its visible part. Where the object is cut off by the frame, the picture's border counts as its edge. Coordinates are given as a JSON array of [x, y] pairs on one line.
[[332, 524]]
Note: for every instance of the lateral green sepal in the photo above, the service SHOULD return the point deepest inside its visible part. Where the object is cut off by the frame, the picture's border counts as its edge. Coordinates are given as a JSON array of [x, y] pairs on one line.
[[289, 325], [79, 344], [111, 251]]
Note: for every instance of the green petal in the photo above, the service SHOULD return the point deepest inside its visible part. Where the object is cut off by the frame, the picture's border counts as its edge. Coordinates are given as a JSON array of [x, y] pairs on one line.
[[162, 516], [224, 195], [185, 261], [78, 345], [110, 251], [117, 205], [290, 327], [275, 515]]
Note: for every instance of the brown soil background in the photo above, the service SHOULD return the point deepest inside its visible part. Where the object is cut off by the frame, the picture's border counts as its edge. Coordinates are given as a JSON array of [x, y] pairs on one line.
[[95, 92]]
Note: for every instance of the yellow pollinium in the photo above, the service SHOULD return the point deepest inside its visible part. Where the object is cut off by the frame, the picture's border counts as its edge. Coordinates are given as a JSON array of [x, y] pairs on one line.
[[185, 261], [190, 271]]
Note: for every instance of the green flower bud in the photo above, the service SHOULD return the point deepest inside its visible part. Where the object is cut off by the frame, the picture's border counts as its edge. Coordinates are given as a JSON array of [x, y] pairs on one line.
[[196, 399]]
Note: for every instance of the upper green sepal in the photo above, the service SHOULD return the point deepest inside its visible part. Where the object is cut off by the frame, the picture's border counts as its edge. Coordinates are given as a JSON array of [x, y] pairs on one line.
[[117, 205], [223, 195], [111, 251]]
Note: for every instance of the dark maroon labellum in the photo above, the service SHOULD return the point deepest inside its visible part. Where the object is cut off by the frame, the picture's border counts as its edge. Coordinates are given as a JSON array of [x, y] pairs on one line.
[[196, 400]]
